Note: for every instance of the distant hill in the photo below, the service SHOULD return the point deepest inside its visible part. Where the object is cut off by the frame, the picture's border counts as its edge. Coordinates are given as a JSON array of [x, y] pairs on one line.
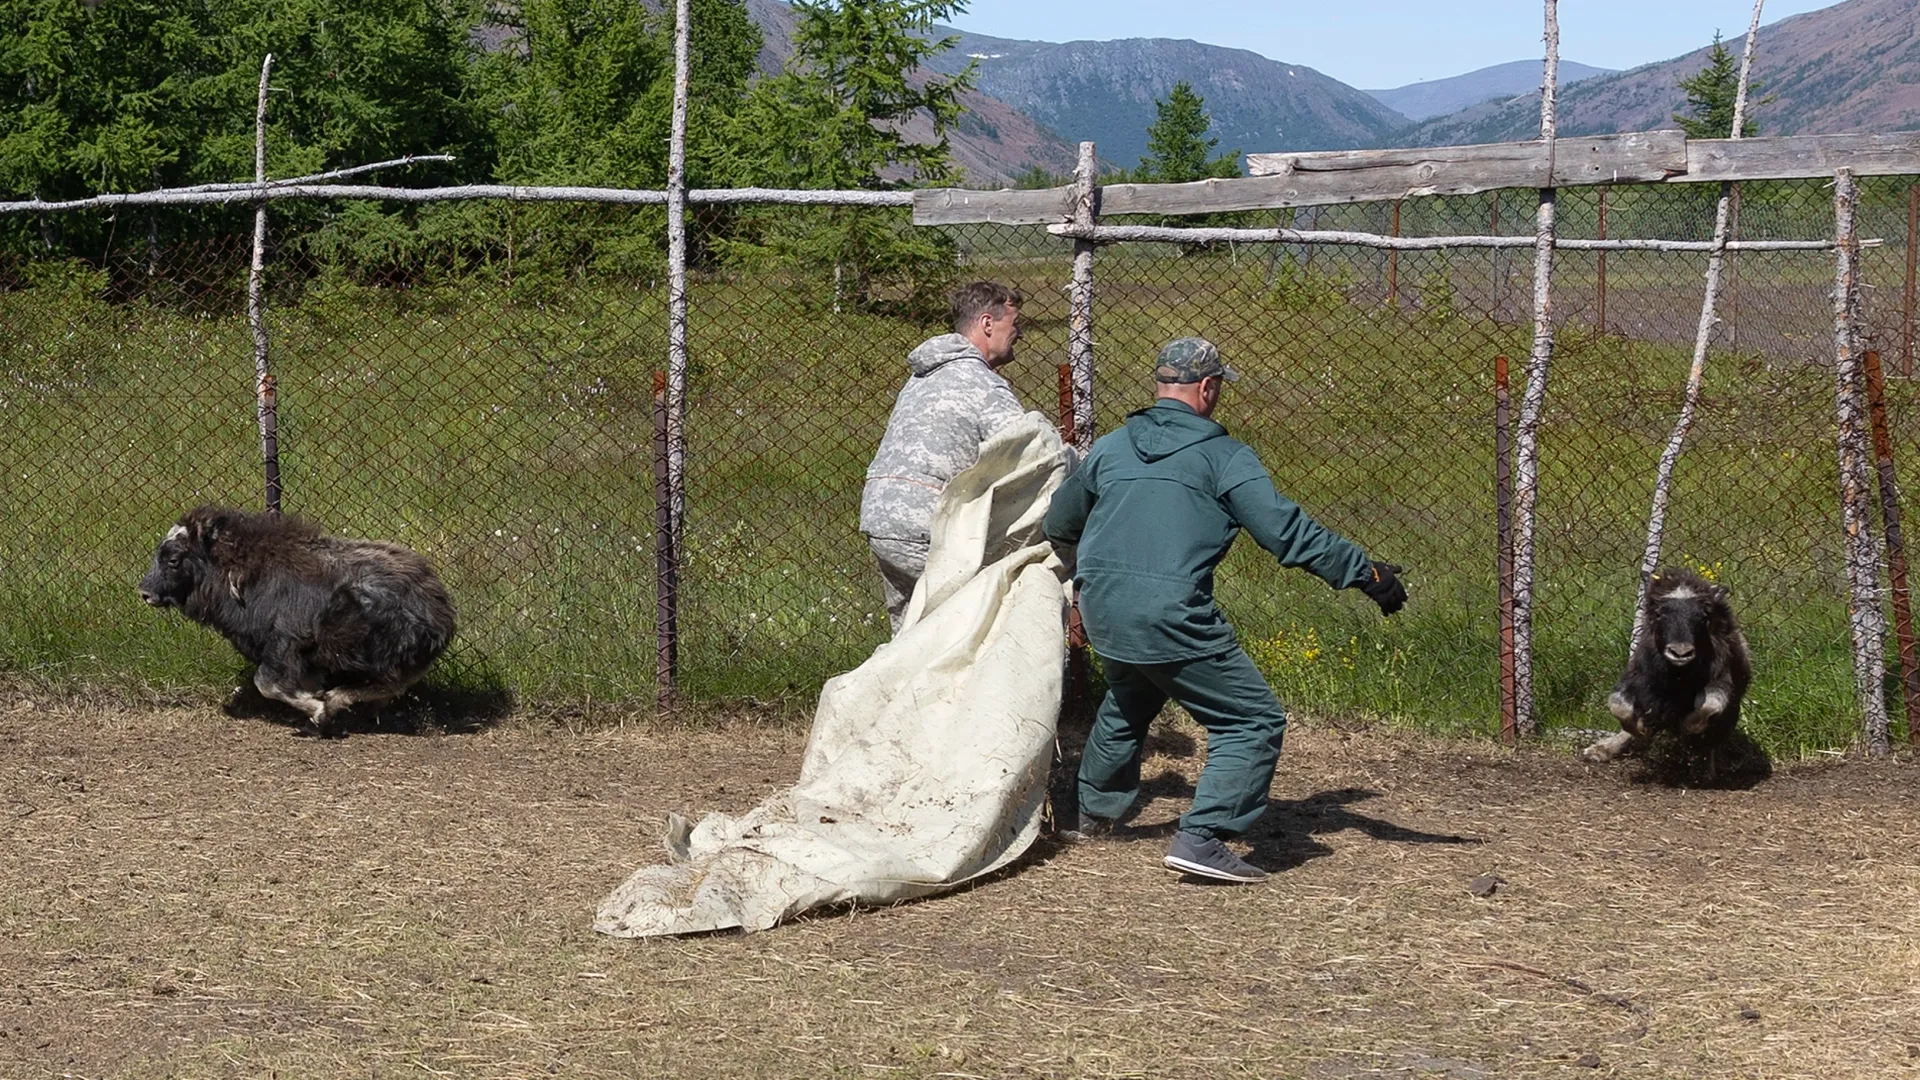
[[1851, 67], [995, 142], [1105, 91], [1438, 97], [1037, 100]]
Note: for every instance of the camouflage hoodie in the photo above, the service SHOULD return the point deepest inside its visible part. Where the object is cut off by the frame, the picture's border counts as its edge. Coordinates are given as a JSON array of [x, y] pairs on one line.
[[951, 403]]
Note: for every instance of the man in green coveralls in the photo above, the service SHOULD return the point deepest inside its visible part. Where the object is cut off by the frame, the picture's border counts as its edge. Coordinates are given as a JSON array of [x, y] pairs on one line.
[[1153, 510]]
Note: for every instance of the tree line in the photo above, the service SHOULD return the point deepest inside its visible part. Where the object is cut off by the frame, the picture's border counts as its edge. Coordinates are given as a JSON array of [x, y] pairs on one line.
[[128, 95]]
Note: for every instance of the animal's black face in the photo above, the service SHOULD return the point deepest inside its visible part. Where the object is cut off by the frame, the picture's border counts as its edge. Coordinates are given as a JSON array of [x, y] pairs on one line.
[[1682, 622], [176, 571]]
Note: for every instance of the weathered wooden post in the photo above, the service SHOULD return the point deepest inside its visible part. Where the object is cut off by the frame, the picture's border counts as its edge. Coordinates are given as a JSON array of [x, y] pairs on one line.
[[1896, 545], [1533, 400], [1073, 699], [666, 556], [1503, 531], [1863, 576], [1080, 319], [265, 396], [674, 397], [1697, 372]]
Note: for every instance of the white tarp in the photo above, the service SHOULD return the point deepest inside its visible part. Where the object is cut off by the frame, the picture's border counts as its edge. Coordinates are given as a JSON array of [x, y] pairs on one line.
[[927, 765]]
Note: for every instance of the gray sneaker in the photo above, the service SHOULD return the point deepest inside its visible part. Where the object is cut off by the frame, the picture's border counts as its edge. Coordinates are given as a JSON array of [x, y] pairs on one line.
[[1206, 856]]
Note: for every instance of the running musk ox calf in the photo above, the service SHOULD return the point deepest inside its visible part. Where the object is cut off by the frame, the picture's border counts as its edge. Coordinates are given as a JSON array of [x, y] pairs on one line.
[[329, 621], [1688, 673]]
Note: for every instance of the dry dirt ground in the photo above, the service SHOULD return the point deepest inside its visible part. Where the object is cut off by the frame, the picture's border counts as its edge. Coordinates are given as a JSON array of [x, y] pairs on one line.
[[186, 893]]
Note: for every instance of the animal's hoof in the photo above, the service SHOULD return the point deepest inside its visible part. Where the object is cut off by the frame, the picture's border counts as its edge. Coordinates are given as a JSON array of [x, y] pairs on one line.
[[1597, 754]]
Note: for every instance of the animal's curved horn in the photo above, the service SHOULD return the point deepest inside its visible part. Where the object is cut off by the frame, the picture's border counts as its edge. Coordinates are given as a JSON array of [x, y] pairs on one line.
[[211, 528]]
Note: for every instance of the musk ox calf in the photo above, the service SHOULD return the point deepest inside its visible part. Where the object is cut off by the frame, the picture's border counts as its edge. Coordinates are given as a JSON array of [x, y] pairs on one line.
[[1688, 673], [329, 621]]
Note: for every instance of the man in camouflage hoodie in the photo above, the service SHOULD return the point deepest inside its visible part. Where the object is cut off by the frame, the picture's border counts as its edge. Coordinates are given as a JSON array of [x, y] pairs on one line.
[[953, 400]]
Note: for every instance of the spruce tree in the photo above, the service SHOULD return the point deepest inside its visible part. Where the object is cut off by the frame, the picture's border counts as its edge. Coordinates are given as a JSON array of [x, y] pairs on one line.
[[1710, 98], [1178, 147], [837, 117]]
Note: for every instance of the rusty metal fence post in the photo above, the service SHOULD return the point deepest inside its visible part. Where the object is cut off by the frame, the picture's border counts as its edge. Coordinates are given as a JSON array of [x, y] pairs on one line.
[[1896, 545]]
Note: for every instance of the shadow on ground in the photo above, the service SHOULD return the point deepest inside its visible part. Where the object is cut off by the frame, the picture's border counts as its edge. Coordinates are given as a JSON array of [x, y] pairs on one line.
[[431, 708], [1284, 838]]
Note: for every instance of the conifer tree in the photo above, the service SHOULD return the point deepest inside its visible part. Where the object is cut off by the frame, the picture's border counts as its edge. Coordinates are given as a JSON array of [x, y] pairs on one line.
[[1710, 98]]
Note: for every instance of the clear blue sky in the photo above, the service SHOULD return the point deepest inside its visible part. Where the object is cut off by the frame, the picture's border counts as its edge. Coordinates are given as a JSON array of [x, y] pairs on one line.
[[1376, 44]]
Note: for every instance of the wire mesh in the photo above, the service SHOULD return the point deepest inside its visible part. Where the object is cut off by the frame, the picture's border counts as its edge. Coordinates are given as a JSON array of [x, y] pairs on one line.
[[478, 385]]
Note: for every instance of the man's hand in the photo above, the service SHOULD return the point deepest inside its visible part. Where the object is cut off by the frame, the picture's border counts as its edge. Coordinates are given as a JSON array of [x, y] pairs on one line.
[[1384, 588]]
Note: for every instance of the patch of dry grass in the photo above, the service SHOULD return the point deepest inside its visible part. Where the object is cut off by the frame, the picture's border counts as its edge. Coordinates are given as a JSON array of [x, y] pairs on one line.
[[190, 894]]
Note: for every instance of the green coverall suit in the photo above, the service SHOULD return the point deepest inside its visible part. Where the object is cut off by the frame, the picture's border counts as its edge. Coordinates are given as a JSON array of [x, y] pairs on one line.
[[1153, 510]]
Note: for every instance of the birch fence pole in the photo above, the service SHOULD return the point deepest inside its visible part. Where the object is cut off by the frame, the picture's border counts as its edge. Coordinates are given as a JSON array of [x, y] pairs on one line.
[[667, 601], [1080, 320], [1863, 571], [1503, 532], [266, 407], [1696, 374], [1533, 398], [666, 645]]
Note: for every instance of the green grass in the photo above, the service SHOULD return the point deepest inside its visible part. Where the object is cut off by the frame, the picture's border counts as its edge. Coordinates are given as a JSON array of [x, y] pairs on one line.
[[507, 434]]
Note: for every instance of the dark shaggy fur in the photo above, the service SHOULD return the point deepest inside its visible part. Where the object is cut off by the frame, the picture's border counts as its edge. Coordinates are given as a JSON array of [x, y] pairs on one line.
[[1688, 673], [329, 621]]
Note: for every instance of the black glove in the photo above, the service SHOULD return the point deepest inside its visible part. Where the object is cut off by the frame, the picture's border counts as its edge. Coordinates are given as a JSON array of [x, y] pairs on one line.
[[1383, 587]]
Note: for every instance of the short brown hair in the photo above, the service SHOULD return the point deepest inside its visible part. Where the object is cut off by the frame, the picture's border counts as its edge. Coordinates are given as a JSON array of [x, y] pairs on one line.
[[969, 301]]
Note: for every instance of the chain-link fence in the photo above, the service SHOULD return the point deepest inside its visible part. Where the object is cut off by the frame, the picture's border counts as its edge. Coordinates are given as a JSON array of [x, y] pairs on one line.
[[485, 394]]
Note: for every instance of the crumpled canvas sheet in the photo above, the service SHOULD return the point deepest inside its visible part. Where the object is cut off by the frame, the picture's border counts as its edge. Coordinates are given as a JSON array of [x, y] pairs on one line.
[[927, 765]]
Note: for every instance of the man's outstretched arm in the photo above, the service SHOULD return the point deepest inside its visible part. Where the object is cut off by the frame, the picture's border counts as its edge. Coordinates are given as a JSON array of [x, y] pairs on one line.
[[1279, 525]]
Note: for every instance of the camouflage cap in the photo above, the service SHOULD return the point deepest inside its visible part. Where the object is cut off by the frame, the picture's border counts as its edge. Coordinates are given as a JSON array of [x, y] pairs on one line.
[[1190, 359]]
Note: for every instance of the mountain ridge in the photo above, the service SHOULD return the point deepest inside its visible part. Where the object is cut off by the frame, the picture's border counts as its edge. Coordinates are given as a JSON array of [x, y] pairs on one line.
[[1430, 98], [1036, 100], [1105, 91], [1852, 67]]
